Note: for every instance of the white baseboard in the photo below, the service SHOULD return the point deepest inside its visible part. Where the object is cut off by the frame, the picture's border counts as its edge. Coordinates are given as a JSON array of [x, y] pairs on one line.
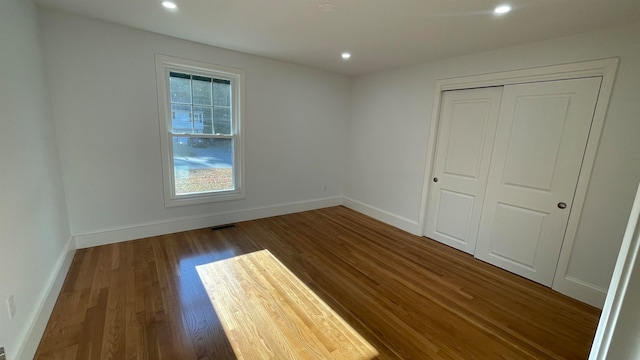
[[384, 216], [581, 290], [144, 230], [568, 285], [28, 343]]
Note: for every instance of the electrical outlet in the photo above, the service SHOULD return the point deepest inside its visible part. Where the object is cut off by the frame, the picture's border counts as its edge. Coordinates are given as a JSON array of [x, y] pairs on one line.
[[11, 306]]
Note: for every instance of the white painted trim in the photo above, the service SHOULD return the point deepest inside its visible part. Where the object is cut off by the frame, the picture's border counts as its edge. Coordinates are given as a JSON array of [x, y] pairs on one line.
[[586, 292], [603, 68], [431, 151], [627, 258], [400, 222], [563, 281], [30, 339], [164, 65], [155, 228], [576, 70]]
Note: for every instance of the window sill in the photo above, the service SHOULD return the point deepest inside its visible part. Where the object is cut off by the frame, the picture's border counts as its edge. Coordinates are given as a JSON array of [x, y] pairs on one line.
[[197, 199]]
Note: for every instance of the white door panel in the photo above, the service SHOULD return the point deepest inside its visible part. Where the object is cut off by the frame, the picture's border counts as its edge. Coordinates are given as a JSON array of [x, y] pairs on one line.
[[455, 212], [522, 249], [465, 139], [540, 141], [535, 140]]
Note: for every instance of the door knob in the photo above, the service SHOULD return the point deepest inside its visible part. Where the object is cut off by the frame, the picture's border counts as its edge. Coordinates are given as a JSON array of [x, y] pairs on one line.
[[435, 179], [562, 205]]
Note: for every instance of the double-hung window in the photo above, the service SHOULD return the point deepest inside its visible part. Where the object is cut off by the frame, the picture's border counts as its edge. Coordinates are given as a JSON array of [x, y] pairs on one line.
[[199, 116]]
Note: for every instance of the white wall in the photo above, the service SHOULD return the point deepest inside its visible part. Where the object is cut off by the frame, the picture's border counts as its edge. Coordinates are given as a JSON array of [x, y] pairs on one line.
[[34, 230], [619, 327], [300, 135], [106, 113], [389, 129]]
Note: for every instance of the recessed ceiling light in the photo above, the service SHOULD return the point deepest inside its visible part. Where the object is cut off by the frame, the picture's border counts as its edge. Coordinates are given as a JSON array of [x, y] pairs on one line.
[[327, 7], [346, 55], [502, 9], [169, 5]]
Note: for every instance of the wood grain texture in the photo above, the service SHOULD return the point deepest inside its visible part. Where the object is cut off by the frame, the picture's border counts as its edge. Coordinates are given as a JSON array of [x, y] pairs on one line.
[[268, 313], [408, 296]]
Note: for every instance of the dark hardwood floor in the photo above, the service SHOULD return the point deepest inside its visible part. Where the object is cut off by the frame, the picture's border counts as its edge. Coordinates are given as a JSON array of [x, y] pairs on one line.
[[410, 297]]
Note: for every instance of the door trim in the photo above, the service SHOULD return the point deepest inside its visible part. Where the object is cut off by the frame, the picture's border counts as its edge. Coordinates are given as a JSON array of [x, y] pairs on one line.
[[606, 68], [619, 295]]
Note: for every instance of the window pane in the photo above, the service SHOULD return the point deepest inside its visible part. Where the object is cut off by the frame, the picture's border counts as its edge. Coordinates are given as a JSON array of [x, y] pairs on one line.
[[222, 120], [203, 119], [221, 93], [180, 89], [181, 118], [202, 165], [202, 90]]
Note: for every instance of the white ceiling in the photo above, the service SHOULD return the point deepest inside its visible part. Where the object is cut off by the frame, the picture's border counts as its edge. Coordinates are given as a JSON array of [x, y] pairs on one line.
[[380, 34]]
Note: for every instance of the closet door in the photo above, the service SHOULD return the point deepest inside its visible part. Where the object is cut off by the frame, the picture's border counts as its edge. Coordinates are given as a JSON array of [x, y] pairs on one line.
[[465, 137], [540, 141]]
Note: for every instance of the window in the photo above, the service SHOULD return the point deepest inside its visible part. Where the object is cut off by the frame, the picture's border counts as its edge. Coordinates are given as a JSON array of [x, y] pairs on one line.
[[200, 115]]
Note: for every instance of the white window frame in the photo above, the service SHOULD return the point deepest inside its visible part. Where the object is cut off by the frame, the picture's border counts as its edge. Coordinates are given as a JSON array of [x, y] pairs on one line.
[[165, 64]]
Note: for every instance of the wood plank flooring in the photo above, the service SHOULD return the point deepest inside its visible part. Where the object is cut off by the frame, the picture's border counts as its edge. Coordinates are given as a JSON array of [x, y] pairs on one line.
[[268, 313], [410, 297]]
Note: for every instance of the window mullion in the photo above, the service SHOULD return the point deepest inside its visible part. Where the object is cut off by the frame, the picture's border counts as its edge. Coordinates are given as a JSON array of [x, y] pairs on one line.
[[193, 118], [213, 113]]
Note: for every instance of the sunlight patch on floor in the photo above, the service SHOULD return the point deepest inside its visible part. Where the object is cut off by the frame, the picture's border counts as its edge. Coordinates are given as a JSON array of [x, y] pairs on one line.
[[268, 313]]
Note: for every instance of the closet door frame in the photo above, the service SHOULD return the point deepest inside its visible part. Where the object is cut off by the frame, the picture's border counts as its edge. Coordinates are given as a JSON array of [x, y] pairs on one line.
[[606, 68]]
